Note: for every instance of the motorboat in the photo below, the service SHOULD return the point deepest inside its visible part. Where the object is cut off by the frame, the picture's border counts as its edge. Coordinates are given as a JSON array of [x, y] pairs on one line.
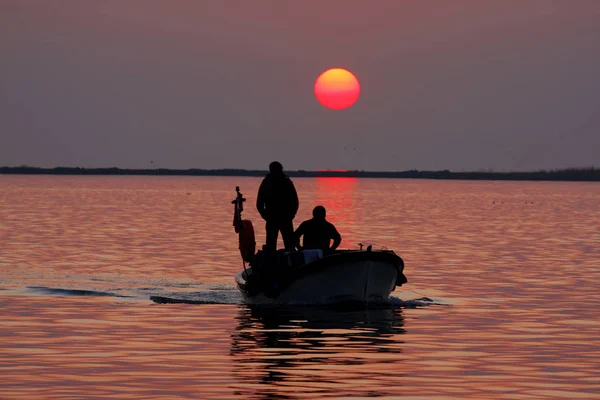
[[313, 276], [364, 276]]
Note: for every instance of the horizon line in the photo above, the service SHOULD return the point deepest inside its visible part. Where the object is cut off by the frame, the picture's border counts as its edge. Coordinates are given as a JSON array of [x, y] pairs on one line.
[[319, 170], [589, 174]]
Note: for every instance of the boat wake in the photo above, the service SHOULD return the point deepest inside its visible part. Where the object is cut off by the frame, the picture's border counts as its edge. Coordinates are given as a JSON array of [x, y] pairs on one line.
[[192, 294], [235, 298], [71, 292], [214, 293]]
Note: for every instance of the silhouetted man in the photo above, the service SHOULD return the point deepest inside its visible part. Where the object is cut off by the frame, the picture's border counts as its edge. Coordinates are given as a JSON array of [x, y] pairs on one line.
[[318, 232], [277, 203]]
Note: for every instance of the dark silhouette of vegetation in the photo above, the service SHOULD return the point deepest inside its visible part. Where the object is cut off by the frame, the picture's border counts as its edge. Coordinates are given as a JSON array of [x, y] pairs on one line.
[[570, 174]]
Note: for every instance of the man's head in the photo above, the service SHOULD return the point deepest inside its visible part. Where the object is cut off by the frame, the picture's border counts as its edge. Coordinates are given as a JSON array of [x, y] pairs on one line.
[[319, 212], [276, 168]]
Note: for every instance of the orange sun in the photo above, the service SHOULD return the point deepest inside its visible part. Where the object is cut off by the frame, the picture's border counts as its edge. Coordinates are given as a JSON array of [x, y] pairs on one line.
[[337, 89]]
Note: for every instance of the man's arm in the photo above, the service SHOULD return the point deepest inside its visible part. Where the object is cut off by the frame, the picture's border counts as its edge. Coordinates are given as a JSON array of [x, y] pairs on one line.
[[260, 199], [294, 203], [337, 238], [299, 232]]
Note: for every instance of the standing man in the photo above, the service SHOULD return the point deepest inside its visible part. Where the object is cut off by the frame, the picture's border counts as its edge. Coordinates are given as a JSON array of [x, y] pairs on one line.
[[277, 203]]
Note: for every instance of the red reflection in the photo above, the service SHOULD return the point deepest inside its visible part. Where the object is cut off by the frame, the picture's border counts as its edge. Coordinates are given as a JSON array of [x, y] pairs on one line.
[[337, 195]]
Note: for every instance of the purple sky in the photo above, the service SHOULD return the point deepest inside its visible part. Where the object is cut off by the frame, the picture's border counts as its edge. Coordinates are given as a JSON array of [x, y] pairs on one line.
[[459, 85]]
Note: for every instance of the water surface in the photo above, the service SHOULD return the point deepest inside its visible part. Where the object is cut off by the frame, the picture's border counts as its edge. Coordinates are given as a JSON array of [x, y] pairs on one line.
[[502, 298]]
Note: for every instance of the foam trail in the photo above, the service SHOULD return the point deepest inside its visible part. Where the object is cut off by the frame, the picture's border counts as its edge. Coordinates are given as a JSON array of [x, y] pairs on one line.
[[413, 303], [212, 297], [228, 297], [71, 292], [217, 294]]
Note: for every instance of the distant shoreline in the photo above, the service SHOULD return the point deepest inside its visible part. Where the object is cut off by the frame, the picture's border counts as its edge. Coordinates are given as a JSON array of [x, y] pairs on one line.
[[575, 174]]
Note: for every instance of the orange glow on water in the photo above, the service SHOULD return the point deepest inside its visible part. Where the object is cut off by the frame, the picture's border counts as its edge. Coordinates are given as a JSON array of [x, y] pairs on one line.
[[337, 195], [337, 89]]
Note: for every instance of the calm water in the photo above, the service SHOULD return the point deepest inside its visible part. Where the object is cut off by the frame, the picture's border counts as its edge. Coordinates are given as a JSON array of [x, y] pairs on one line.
[[502, 299]]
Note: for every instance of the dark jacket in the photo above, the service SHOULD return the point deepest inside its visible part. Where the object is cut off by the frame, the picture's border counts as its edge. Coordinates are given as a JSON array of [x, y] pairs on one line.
[[277, 198], [318, 234]]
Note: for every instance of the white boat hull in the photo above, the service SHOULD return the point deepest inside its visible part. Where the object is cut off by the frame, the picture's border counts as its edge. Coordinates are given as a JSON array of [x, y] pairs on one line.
[[364, 281]]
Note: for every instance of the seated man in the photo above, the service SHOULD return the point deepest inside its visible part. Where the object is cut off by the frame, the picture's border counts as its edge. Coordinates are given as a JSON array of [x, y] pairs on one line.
[[318, 232]]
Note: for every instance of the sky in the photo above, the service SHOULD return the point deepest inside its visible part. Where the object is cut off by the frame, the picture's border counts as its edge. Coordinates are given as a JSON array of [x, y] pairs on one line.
[[464, 85]]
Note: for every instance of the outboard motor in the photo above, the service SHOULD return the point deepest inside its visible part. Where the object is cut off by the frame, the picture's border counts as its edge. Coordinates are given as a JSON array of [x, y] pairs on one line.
[[244, 228]]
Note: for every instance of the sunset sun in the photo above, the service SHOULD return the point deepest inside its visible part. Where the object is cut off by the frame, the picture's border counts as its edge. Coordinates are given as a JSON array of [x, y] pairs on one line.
[[337, 89]]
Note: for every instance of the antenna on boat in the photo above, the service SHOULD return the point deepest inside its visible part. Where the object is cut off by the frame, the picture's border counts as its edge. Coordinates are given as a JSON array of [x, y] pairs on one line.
[[239, 201], [244, 229]]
